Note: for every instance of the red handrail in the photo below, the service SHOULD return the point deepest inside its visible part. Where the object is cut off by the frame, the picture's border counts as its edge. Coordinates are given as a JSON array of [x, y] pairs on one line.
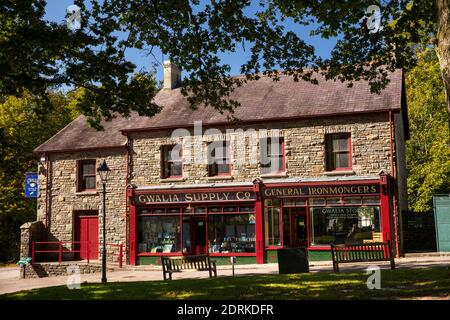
[[61, 250]]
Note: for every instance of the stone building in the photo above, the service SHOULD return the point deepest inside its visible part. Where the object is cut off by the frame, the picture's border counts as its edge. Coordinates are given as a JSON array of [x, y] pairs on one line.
[[305, 165]]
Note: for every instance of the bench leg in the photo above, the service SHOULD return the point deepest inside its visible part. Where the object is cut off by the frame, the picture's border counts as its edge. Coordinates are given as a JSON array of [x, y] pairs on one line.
[[392, 264], [335, 267]]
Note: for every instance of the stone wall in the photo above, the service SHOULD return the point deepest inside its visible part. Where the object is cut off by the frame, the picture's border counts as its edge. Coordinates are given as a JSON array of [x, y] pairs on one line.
[[43, 270], [30, 231], [304, 150], [65, 202]]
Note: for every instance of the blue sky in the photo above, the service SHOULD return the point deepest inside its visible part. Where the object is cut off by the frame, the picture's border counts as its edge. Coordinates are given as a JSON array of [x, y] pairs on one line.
[[56, 11]]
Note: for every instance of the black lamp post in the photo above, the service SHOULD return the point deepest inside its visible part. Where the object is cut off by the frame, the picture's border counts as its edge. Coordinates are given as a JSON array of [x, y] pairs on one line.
[[104, 171]]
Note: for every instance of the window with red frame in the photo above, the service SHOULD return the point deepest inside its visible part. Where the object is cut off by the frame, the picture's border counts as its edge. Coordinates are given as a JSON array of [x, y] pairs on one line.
[[338, 151], [172, 162], [86, 175], [272, 155], [218, 159]]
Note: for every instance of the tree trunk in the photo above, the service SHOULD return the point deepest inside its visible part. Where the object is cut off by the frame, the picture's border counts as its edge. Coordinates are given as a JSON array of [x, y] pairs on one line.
[[443, 46]]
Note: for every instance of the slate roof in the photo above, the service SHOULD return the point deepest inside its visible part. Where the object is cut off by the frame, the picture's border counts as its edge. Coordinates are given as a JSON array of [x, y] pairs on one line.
[[261, 100]]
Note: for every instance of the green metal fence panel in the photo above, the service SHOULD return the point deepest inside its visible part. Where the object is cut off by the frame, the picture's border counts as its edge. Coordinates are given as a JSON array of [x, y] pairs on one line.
[[442, 218]]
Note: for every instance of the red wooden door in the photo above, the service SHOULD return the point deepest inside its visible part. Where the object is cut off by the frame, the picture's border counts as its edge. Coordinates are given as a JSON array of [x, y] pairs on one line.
[[87, 233]]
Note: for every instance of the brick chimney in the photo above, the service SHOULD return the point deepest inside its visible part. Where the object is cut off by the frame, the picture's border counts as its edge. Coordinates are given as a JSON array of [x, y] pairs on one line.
[[172, 75]]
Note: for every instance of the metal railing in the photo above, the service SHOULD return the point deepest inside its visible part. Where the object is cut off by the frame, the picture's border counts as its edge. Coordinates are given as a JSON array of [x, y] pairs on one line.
[[87, 249]]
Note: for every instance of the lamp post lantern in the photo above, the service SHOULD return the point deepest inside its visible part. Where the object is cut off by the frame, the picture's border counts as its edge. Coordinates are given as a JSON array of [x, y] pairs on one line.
[[104, 171]]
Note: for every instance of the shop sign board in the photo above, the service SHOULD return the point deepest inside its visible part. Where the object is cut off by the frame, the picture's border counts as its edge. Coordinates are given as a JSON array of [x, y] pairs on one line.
[[31, 185]]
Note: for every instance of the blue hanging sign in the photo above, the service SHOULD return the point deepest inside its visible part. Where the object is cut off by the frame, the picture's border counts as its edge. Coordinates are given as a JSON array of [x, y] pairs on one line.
[[31, 185]]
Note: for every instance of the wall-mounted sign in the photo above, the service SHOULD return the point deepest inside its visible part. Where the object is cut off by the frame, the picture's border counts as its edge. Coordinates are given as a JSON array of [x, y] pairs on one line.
[[150, 198], [321, 190], [338, 212], [31, 185]]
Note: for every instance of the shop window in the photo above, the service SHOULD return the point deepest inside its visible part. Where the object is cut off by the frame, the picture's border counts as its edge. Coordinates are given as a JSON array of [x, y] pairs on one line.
[[294, 202], [352, 200], [218, 159], [317, 201], [171, 161], [272, 155], [230, 209], [334, 201], [272, 224], [159, 234], [186, 234], [344, 224], [338, 151], [86, 175], [371, 200], [247, 209], [231, 233]]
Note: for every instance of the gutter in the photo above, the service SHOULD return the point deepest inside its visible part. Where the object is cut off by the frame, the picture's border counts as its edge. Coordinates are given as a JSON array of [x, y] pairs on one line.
[[36, 152]]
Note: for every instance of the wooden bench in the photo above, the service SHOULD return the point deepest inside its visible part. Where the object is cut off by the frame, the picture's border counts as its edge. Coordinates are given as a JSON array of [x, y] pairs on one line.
[[367, 252], [178, 264]]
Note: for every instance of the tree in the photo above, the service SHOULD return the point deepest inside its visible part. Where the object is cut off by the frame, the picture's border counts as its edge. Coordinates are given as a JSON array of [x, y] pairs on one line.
[[427, 151], [37, 54], [22, 130]]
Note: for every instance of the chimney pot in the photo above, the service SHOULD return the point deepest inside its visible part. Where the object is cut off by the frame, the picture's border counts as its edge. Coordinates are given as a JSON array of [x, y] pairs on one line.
[[172, 75]]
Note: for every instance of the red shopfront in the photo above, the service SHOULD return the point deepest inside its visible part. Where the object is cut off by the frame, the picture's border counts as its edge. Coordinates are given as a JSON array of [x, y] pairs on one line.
[[317, 214], [255, 220], [218, 221]]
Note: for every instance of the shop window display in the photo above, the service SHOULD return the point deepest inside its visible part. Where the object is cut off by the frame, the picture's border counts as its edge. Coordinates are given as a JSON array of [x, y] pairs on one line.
[[159, 234], [344, 224], [231, 233]]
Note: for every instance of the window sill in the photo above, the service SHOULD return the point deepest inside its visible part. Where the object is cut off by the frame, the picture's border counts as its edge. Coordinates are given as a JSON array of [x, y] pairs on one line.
[[339, 172], [86, 193], [220, 178], [274, 175], [168, 180]]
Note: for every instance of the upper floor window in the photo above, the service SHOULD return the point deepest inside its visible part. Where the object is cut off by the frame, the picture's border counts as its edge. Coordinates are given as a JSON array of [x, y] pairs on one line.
[[86, 175], [171, 161], [218, 159], [338, 151], [272, 155]]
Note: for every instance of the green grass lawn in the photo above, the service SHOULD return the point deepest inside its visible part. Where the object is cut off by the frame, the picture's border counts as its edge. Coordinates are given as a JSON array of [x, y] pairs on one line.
[[403, 283]]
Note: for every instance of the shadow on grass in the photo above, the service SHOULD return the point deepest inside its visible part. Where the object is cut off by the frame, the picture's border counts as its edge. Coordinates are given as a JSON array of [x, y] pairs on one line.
[[352, 285]]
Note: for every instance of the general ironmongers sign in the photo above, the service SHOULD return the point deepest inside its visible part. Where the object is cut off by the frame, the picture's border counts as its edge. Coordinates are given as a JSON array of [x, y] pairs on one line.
[[150, 198], [299, 191]]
